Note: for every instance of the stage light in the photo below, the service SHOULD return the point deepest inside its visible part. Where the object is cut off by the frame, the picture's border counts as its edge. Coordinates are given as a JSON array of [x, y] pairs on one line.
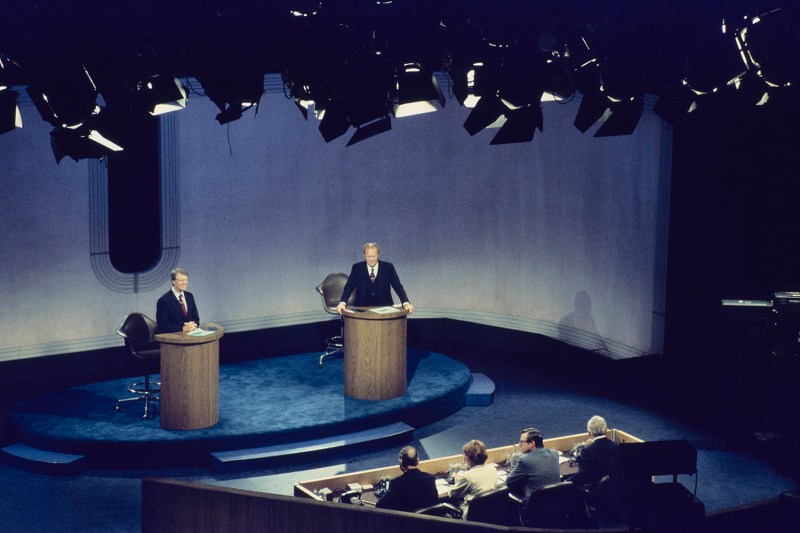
[[520, 125], [81, 142], [67, 98], [371, 129], [676, 103], [621, 118], [303, 8], [160, 94], [773, 48], [417, 90], [10, 117], [233, 92], [334, 123], [360, 98], [471, 83], [96, 138], [489, 112], [593, 106]]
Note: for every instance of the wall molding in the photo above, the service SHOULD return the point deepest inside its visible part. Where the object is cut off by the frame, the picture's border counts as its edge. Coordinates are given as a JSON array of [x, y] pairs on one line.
[[153, 278], [569, 335]]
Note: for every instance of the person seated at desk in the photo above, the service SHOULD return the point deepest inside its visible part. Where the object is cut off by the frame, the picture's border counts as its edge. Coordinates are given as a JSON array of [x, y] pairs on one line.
[[477, 479], [412, 490], [534, 466], [598, 456]]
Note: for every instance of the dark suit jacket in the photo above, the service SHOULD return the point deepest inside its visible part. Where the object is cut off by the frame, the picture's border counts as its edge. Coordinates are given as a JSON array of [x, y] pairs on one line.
[[369, 294], [413, 490], [597, 460], [532, 470], [169, 315]]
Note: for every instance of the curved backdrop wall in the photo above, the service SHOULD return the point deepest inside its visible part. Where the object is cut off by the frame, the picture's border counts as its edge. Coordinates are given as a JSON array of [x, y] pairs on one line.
[[565, 236]]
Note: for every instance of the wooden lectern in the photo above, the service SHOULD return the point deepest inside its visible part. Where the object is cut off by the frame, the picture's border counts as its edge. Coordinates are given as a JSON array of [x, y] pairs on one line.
[[189, 395], [374, 354]]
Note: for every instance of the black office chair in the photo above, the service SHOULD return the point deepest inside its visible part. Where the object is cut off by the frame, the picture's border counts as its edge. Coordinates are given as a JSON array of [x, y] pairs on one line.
[[444, 510], [331, 290], [612, 502], [138, 330], [494, 507], [558, 505]]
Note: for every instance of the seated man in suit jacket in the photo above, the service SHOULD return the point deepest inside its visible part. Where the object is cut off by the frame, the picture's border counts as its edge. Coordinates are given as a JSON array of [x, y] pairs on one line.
[[534, 466], [176, 310], [412, 490], [599, 457], [373, 283]]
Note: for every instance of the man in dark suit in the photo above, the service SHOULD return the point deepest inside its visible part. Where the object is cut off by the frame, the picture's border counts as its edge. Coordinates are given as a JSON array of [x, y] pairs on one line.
[[176, 310], [412, 490], [599, 457], [373, 283]]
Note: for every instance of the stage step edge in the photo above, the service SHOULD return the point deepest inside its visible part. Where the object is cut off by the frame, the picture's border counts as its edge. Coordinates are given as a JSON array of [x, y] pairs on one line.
[[398, 432], [481, 391], [24, 457]]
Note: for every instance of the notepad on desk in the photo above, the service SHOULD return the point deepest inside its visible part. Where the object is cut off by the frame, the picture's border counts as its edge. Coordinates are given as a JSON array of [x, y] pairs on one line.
[[384, 310], [200, 332]]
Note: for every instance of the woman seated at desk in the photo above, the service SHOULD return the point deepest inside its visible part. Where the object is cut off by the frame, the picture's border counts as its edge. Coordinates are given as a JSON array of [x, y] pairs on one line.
[[477, 479]]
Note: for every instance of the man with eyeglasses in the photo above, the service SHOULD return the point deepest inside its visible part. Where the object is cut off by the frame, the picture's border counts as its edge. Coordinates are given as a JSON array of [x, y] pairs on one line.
[[534, 466]]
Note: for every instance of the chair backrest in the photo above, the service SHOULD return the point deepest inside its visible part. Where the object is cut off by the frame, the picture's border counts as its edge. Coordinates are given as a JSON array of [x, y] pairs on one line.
[[558, 505], [494, 507], [331, 290], [138, 330], [445, 510]]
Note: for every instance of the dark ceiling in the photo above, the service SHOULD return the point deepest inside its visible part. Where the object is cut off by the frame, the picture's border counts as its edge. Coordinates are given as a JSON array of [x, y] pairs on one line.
[[642, 46]]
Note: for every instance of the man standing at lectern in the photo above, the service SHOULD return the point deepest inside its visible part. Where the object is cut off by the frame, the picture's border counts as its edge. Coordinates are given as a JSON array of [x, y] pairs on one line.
[[373, 282], [176, 310]]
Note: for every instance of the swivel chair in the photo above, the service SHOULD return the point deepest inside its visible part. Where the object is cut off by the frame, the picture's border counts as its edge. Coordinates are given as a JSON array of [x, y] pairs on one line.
[[443, 510], [558, 505], [331, 290], [138, 330], [493, 507]]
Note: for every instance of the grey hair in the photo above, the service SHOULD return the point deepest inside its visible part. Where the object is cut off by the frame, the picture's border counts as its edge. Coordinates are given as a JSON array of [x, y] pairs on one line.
[[371, 245], [596, 426]]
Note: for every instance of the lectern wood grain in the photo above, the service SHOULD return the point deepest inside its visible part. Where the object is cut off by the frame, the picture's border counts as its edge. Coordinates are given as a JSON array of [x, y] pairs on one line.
[[189, 397], [375, 355]]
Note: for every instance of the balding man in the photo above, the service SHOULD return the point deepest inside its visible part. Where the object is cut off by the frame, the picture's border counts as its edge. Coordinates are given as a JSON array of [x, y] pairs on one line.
[[412, 490]]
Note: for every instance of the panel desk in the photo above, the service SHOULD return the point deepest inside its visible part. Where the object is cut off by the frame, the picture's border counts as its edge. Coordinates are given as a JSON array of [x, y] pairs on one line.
[[440, 467], [374, 353], [189, 397]]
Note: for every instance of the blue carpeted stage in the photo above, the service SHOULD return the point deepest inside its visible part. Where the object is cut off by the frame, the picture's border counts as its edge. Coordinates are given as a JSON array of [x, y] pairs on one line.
[[268, 402]]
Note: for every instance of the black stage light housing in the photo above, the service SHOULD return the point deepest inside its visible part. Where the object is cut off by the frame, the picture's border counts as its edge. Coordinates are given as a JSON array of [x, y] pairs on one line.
[[10, 117], [371, 129], [623, 119], [487, 111], [418, 91], [520, 126]]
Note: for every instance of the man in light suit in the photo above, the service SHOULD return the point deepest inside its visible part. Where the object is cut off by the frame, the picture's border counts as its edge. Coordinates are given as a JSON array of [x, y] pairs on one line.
[[373, 282], [176, 310]]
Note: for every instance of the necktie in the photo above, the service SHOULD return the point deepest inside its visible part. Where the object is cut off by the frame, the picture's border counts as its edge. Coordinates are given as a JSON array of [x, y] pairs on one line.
[[183, 305], [372, 274]]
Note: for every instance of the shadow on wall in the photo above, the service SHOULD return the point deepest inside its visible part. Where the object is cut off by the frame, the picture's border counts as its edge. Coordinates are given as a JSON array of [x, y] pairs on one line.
[[578, 327]]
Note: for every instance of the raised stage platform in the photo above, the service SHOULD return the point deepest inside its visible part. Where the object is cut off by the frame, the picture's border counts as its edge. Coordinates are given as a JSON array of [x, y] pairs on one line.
[[279, 409]]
